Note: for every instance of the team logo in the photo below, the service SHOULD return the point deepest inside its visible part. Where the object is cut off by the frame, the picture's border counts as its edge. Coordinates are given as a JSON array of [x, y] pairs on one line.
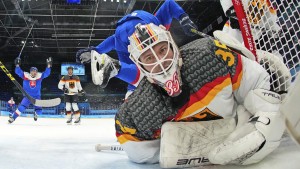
[[32, 84], [71, 85]]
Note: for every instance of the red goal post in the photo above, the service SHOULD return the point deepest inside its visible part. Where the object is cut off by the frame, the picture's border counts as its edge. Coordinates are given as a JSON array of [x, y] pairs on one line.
[[273, 26]]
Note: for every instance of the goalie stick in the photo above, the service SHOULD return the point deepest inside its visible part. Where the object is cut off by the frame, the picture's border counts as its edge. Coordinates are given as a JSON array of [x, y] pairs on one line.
[[100, 147], [36, 102]]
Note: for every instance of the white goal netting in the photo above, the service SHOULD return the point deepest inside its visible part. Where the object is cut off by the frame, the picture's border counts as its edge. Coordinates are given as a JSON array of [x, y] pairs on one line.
[[275, 27]]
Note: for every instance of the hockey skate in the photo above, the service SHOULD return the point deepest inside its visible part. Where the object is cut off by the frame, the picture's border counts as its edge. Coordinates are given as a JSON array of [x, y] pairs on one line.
[[35, 116], [69, 121], [77, 122], [11, 120], [69, 117], [77, 118], [108, 68]]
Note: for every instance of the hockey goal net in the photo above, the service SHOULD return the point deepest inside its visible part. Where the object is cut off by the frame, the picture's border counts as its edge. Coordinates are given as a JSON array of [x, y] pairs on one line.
[[274, 27]]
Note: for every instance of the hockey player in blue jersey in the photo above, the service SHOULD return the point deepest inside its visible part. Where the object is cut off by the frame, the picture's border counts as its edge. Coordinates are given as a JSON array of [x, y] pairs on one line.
[[125, 69], [11, 106], [32, 83]]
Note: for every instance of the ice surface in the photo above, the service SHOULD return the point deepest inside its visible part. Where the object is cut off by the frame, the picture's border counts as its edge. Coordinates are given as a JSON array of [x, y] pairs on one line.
[[51, 144]]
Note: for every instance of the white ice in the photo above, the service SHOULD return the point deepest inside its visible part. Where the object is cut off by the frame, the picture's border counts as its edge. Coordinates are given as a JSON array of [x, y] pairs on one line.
[[51, 144]]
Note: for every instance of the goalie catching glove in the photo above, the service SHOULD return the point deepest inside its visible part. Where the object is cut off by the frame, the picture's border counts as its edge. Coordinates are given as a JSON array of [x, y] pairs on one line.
[[255, 139]]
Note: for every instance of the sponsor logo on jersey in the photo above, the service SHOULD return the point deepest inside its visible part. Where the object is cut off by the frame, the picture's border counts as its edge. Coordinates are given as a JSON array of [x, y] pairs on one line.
[[32, 84]]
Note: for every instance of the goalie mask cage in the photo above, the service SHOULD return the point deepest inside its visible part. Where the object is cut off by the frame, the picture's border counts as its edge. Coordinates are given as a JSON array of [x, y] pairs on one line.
[[275, 27]]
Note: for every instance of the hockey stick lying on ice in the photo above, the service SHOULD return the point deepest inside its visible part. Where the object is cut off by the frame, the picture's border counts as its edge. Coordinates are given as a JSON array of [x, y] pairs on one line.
[[36, 102], [100, 147]]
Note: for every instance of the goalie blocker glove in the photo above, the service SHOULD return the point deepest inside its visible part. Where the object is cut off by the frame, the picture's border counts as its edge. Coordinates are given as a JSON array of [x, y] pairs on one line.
[[84, 55], [187, 24], [253, 140]]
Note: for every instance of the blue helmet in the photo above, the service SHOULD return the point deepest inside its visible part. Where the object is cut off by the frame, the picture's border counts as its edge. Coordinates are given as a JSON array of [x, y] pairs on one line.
[[33, 68]]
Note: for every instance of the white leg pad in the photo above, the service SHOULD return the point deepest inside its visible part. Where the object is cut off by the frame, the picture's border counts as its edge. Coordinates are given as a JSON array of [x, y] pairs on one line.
[[187, 144]]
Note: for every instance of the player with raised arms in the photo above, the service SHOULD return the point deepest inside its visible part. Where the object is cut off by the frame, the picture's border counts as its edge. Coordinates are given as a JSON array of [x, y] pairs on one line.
[[32, 84]]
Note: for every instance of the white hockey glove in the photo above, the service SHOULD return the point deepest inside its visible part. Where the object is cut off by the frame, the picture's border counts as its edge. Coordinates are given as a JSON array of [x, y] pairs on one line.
[[49, 61], [279, 73], [233, 44], [254, 140]]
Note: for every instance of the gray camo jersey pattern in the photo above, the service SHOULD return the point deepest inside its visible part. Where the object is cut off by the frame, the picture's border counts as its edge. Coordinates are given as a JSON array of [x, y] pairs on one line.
[[148, 108]]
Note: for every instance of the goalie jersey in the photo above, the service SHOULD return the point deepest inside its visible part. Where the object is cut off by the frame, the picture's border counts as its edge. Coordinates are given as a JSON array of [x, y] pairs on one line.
[[214, 81]]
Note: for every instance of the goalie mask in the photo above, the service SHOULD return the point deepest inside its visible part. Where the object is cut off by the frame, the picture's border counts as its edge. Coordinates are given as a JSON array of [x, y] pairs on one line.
[[154, 51]]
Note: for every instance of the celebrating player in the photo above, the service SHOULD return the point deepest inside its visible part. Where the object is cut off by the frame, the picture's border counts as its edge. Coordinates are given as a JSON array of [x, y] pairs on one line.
[[11, 106], [32, 83], [71, 86], [201, 81], [126, 69]]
